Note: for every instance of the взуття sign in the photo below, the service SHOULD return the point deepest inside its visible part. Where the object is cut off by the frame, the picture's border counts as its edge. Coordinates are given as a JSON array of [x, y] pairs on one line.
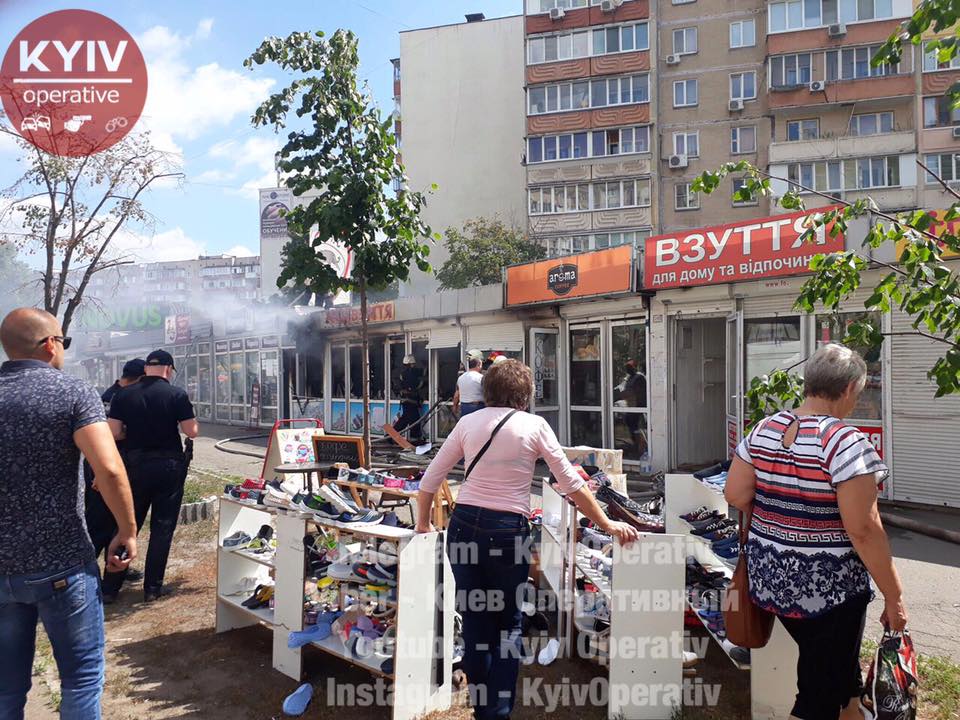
[[747, 250]]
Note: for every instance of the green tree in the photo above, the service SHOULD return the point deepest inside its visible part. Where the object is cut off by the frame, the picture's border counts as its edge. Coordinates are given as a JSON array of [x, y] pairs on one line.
[[345, 156], [480, 250], [920, 284]]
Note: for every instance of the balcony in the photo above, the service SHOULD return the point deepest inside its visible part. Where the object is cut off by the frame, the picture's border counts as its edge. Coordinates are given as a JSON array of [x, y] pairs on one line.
[[839, 147]]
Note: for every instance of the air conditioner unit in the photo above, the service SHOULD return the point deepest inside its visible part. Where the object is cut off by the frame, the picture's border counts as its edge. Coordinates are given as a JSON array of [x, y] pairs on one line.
[[673, 59], [837, 30], [956, 131], [818, 86], [607, 6], [678, 161], [736, 105], [557, 13]]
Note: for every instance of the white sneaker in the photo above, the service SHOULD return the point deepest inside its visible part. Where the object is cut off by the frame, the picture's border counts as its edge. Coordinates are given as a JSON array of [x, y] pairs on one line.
[[549, 652], [291, 487], [341, 502], [275, 498]]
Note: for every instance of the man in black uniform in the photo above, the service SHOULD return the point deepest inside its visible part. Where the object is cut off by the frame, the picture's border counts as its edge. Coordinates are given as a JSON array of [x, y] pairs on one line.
[[412, 381], [149, 416]]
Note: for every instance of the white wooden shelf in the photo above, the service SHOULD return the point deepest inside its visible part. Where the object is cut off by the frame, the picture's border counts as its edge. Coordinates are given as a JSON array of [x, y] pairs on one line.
[[265, 559], [416, 687]]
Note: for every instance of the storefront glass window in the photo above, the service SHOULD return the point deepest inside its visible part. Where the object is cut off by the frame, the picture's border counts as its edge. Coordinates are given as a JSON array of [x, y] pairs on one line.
[[397, 351], [586, 428], [377, 370], [338, 371], [269, 385], [192, 380], [448, 367], [252, 376], [585, 371], [628, 372], [356, 372], [770, 344], [312, 368], [236, 386], [204, 386], [223, 385], [833, 328]]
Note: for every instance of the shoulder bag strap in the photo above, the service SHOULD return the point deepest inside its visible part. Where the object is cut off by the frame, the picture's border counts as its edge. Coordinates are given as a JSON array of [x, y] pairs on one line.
[[479, 455]]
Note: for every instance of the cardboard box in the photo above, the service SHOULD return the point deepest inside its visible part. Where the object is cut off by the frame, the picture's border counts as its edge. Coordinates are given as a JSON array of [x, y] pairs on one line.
[[610, 461]]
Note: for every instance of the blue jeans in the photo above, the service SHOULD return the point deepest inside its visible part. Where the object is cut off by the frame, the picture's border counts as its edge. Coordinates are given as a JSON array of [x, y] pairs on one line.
[[68, 602], [467, 408], [490, 555]]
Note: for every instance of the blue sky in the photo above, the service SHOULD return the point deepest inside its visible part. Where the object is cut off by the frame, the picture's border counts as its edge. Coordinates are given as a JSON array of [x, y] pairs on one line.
[[201, 98]]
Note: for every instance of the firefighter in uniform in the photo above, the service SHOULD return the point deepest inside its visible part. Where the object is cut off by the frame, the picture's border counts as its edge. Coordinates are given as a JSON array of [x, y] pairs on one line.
[[149, 416]]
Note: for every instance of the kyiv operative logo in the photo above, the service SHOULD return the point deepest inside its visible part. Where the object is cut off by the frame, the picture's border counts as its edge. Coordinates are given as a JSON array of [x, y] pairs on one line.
[[73, 83]]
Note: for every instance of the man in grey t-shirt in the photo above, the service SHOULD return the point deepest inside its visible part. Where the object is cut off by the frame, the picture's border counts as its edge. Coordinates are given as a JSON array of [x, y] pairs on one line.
[[47, 566]]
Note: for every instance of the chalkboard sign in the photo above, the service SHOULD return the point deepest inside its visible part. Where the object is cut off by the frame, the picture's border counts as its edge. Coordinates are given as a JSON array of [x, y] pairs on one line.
[[337, 448]]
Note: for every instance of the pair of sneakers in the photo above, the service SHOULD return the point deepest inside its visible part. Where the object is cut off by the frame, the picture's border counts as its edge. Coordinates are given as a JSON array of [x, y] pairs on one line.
[[351, 513]]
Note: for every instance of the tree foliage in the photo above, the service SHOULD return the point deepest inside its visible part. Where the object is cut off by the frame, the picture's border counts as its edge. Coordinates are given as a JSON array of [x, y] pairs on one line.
[[480, 250], [69, 210], [343, 157]]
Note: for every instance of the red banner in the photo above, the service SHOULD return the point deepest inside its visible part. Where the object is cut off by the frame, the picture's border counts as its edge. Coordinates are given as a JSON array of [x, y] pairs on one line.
[[746, 250]]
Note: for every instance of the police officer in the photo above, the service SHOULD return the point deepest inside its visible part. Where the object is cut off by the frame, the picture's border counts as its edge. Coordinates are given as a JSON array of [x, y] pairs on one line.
[[100, 522], [149, 416]]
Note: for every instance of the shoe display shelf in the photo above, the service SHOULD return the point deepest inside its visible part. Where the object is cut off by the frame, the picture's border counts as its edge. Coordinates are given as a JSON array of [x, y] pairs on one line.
[[772, 668], [360, 492], [422, 673], [643, 597]]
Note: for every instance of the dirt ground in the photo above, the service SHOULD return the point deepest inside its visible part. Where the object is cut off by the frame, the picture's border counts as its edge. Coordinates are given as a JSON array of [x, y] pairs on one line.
[[164, 661]]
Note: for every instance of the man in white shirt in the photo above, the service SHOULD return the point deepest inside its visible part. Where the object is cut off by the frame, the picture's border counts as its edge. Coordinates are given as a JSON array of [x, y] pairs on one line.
[[469, 395]]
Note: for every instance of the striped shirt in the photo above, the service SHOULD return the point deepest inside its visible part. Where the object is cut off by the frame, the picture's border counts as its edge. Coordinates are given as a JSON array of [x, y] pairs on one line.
[[800, 559]]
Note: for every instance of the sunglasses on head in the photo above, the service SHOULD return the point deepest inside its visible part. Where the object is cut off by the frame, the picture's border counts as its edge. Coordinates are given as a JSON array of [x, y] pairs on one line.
[[59, 338]]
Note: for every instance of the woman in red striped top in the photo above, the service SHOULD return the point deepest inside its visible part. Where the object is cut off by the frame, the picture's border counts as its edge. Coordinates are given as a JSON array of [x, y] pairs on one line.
[[809, 485]]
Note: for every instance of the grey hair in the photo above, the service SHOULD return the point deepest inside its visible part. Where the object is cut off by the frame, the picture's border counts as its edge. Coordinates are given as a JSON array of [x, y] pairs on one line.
[[830, 370]]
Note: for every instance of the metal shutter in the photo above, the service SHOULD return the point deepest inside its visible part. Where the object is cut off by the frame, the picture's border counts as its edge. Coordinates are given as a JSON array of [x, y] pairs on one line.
[[925, 431], [448, 337], [507, 337], [763, 306]]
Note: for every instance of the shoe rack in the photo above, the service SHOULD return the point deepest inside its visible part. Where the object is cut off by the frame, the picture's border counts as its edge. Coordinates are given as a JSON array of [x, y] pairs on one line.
[[642, 576], [422, 673], [772, 668]]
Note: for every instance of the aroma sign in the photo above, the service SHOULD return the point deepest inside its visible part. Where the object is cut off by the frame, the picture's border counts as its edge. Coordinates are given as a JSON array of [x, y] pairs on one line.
[[766, 247]]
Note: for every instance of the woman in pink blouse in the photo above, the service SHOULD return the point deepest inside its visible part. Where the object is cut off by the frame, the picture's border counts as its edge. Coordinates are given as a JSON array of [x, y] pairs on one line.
[[488, 539]]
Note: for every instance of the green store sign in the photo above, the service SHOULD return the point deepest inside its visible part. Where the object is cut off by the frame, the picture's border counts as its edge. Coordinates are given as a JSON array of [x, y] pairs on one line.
[[133, 317]]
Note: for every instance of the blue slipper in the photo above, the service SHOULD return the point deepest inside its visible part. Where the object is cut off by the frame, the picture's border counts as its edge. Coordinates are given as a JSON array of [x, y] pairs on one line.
[[297, 701], [299, 638]]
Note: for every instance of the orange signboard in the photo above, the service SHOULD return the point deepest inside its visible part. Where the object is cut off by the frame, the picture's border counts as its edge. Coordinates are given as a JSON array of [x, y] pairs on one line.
[[344, 316], [603, 272], [939, 227]]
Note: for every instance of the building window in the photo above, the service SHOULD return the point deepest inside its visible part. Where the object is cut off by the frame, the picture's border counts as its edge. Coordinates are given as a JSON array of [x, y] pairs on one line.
[[584, 197], [855, 64], [686, 144], [743, 140], [685, 93], [799, 14], [833, 328], [743, 86], [557, 147], [557, 246], [621, 194], [931, 61], [738, 184], [871, 123], [787, 71], [743, 33], [582, 95], [625, 38], [803, 130], [852, 174], [548, 5], [685, 41], [563, 46], [621, 141], [685, 198], [938, 113], [944, 165]]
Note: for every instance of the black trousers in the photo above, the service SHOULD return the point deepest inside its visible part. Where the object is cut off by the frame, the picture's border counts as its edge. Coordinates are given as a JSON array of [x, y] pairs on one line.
[[157, 485], [409, 415], [828, 669]]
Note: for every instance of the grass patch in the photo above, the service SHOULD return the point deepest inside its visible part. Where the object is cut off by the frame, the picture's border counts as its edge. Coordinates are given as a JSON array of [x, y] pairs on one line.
[[201, 484]]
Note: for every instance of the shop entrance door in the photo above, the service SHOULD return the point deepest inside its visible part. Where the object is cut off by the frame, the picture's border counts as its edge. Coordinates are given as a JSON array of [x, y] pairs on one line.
[[545, 361], [699, 391], [586, 386]]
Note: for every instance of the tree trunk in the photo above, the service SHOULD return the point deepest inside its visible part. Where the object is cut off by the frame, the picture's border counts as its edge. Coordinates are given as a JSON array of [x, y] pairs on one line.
[[365, 369]]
